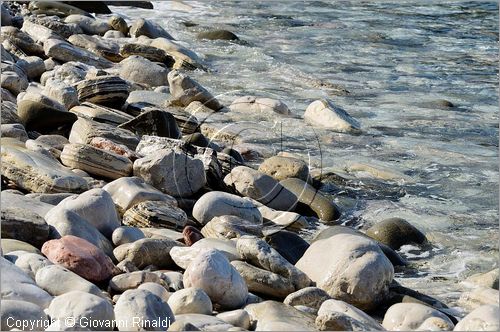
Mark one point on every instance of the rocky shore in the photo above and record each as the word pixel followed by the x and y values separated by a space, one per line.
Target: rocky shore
pixel 127 205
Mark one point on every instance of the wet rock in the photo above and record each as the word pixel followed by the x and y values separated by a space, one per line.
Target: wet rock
pixel 96 161
pixel 212 272
pixel 21 224
pixel 79 256
pixel 276 316
pixel 37 173
pixel 310 197
pixel 410 316
pixel 61 92
pixel 217 35
pixel 84 131
pixel 124 234
pixel 191 235
pixel 132 280
pixel 118 23
pixel 89 25
pixel 324 113
pixel 150 53
pixel 145 252
pixel 13 312
pixel 143 27
pixel 155 214
pixel 6 19
pixel 185 90
pixel 263 188
pixel 354 269
pixel 9 112
pixel 129 191
pixel 43 114
pixel 488 279
pixel 199 322
pixel 64 52
pixel 264 282
pixel 104 90
pixel 289 245
pixel 217 203
pixel 54 8
pixel 89 309
pixel 238 318
pixel 281 168
pixel 17 285
pixel 155 123
pixel 229 227
pixel 334 315
pixel 395 232
pixel 146 305
pixel 190 301
pixel 484 318
pixel 13 82
pixel 15 131
pixel 172 172
pixel 65 222
pixel 255 105
pixel 33 66
pixel 7 96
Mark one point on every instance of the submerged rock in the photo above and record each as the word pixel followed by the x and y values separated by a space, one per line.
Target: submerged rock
pixel 324 113
pixel 395 232
pixel 217 35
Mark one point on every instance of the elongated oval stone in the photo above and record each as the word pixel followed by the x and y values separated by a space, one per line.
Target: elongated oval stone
pixel 155 214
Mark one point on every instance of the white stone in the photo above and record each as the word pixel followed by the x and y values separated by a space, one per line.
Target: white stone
pixel 125 234
pixel 239 318
pixel 409 316
pixel 183 256
pixel 190 301
pixel 484 318
pixel 31 263
pixel 157 290
pixel 15 313
pixel 335 310
pixel 276 316
pixel 252 105
pixel 324 113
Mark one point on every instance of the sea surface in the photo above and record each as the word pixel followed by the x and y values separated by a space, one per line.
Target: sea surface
pixel 420 76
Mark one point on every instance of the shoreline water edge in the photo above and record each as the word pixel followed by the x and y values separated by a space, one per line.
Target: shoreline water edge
pixel 149 183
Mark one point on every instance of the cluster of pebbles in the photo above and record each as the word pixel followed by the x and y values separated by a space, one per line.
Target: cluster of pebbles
pixel 119 201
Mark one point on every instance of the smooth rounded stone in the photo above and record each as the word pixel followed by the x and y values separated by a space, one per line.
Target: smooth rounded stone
pixel 143 27
pixel 13 82
pixel 311 297
pixel 275 221
pixel 79 256
pixel 54 141
pixel 212 272
pixel 483 318
pixel 155 123
pixel 218 203
pixel 129 191
pixel 30 263
pixel 96 161
pixel 105 48
pixel 57 280
pixel 65 222
pixel 65 52
pixel 409 316
pixel 36 172
pixel 353 269
pixel 239 318
pixel 185 90
pixel 488 279
pixel 57 26
pixel 276 316
pixel 478 297
pixel 150 53
pixel 254 105
pixel 191 235
pixel 33 66
pixel 101 114
pixel 84 131
pixel 172 172
pixel 145 252
pixel 139 309
pixel 112 34
pixel 123 282
pixel 89 25
pixel 21 40
pixel 264 282
pixel 260 254
pixel 51 8
pixel 311 198
pixel 124 234
pixel 324 113
pixel 190 301
pixel 186 322
pixel 15 284
pixel 118 23
pixel 218 34
pixel 334 315
pixel 50 64
pixel 44 149
pixel 9 112
pixel 162 233
pixel 10 245
pixel 84 309
pixel 41 113
pixel 97 207
pixel 52 199
pixel 105 90
pixel 197 139
pixel 261 187
pixel 24 225
pixel 395 232
pixel 155 214
pixel 281 168
pixel 15 131
pixel 289 245
pixel 184 58
pixel 21 314
pixel 183 256
pixel 230 227
pixel 157 289
pixel 108 145
pixel 140 70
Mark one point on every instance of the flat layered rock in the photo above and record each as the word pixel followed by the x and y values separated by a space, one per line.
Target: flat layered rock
pixel 154 122
pixel 101 113
pixel 155 214
pixel 104 90
pixel 230 227
pixel 65 52
pixel 84 131
pixel 25 225
pixel 21 40
pixel 39 33
pixel 96 161
pixel 148 52
pixel 105 48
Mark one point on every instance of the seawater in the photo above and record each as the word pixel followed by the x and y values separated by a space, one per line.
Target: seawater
pixel 391 65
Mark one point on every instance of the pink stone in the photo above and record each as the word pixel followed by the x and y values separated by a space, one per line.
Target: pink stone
pixel 79 256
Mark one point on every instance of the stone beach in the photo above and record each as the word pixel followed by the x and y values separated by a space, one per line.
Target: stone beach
pixel 128 192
